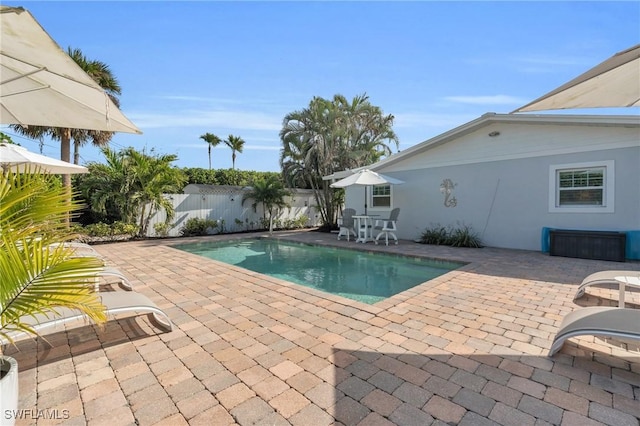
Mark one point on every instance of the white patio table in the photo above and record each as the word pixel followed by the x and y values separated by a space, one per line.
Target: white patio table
pixel 364 227
pixel 625 281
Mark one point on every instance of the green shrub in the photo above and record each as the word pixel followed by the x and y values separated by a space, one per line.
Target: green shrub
pixel 462 236
pixel 102 229
pixel 162 229
pixel 436 235
pixel 122 228
pixel 297 223
pixel 196 226
pixel 99 229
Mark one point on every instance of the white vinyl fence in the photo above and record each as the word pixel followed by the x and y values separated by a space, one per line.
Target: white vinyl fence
pixel 224 205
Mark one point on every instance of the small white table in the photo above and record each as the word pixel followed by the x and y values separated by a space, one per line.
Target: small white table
pixel 364 228
pixel 624 281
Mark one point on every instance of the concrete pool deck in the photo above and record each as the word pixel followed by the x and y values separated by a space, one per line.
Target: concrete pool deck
pixel 466 348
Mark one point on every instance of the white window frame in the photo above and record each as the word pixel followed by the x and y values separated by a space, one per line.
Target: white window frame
pixel 608 187
pixel 371 197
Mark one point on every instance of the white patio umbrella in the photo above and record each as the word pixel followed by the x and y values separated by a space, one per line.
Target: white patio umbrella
pixel 41 85
pixel 366 177
pixel 18 159
pixel 611 84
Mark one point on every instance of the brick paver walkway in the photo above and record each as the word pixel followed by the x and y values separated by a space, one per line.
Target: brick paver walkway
pixel 467 348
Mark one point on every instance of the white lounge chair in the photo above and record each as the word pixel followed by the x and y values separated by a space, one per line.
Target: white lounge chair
pixel 598 321
pixel 607 279
pixel 85 250
pixel 347 226
pixel 387 227
pixel 110 271
pixel 116 302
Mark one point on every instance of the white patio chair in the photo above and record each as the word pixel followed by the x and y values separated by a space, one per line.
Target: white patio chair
pixel 387 227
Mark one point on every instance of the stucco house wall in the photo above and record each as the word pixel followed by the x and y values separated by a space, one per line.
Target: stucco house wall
pixel 503 169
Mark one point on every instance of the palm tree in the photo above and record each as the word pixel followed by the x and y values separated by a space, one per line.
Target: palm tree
pixel 213 141
pixel 132 185
pixel 330 136
pixel 236 143
pixel 270 193
pixel 101 74
pixel 37 276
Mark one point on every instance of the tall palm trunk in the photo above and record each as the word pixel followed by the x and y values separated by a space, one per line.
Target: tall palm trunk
pixel 76 152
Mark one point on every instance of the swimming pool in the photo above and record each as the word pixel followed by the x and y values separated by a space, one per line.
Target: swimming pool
pixel 362 276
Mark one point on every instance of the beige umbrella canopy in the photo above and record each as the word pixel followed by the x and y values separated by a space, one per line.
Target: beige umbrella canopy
pixel 41 85
pixel 366 177
pixel 18 159
pixel 613 83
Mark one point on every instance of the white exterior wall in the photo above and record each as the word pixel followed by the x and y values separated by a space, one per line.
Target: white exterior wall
pixel 229 207
pixel 502 183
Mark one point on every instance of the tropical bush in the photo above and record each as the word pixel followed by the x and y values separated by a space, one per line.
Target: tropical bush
pixel 436 235
pixel 108 231
pixel 162 229
pixel 196 227
pixel 130 187
pixel 465 237
pixel 461 236
pixel 270 193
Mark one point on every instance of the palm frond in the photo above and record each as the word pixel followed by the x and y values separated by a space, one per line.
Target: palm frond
pixel 37 277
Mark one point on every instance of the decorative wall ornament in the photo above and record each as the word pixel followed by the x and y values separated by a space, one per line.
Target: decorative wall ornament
pixel 446 187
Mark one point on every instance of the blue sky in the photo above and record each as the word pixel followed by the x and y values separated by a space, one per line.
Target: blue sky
pixel 187 68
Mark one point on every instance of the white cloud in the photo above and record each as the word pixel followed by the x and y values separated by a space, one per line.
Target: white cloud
pixel 538 64
pixel 421 120
pixel 486 100
pixel 219 119
pixel 203 146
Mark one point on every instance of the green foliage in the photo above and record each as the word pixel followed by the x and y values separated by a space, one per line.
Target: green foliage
pixel 225 176
pixel 197 227
pixel 330 136
pixel 40 275
pixel 462 236
pixel 236 143
pixel 4 138
pixel 298 223
pixel 131 186
pixel 270 193
pixel 162 229
pixel 106 230
pixel 212 141
pixel 99 229
pixel 436 235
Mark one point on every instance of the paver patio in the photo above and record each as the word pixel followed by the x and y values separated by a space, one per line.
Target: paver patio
pixel 466 348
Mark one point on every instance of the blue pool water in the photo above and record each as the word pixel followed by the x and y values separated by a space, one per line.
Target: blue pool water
pixel 366 277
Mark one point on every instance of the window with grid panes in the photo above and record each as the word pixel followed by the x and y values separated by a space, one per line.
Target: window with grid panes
pixel 381 196
pixel 582 187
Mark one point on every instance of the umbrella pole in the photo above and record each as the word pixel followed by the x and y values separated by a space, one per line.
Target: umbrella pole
pixel 365 200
